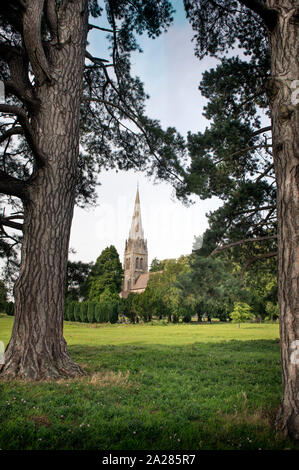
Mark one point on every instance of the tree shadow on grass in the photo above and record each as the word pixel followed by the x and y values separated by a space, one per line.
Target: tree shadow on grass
pixel 222 376
pixel 220 395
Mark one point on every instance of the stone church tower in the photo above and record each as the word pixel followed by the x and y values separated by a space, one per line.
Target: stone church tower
pixel 135 258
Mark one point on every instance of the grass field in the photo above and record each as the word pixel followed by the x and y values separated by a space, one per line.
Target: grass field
pixel 153 387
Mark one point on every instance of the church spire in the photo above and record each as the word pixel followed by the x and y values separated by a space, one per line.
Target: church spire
pixel 136 256
pixel 136 226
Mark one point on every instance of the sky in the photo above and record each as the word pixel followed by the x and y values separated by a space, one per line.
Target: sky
pixel 171 74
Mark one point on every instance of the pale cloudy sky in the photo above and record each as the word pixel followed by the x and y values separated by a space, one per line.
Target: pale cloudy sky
pixel 171 75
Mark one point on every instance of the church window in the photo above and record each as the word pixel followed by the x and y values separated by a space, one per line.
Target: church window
pixel 128 263
pixel 129 285
pixel 141 263
pixel 137 263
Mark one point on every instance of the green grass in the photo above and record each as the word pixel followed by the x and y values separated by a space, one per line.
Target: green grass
pixel 153 387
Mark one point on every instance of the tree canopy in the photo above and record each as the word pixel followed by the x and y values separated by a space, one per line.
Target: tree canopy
pixel 232 159
pixel 114 130
pixel 106 274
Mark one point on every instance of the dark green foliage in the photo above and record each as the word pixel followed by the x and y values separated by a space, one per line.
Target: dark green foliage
pixel 109 93
pixel 107 273
pixel 128 307
pixel 156 265
pixel 232 159
pixel 109 302
pixel 98 313
pixel 143 305
pixel 76 281
pixel 106 310
pixel 221 25
pixel 83 311
pixel 3 296
pixel 91 312
pixel 9 309
pixel 77 312
pixel 211 287
pixel 70 311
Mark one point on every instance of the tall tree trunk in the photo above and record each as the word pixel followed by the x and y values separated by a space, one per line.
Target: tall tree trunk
pixel 285 120
pixel 37 349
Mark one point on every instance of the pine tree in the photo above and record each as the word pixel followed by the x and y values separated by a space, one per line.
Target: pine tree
pixel 270 26
pixel 106 274
pixel 54 88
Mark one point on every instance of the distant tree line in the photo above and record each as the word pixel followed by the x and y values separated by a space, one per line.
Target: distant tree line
pixel 206 288
pixel 179 290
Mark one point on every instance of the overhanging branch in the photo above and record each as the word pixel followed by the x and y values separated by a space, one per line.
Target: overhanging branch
pixel 38 155
pixel 7 222
pixel 95 60
pixel 241 242
pixel 93 26
pixel 268 15
pixel 12 186
pixel 260 131
pixel 10 133
pixel 272 254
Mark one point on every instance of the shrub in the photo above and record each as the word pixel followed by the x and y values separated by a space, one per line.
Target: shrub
pixel 91 312
pixel 77 312
pixel 9 308
pixel 242 312
pixel 83 312
pixel 272 311
pixel 70 311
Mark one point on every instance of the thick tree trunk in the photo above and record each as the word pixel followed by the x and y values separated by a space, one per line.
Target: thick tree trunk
pixel 37 349
pixel 285 119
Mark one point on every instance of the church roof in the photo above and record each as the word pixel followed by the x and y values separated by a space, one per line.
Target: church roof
pixel 136 230
pixel 141 282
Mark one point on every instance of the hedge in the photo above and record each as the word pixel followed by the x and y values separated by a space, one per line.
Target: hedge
pixel 91 312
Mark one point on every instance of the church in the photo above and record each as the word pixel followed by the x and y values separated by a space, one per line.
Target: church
pixel 135 264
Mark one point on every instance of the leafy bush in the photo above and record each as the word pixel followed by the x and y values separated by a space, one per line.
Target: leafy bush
pixel 272 311
pixel 242 312
pixel 91 312
pixel 9 308
pixel 83 312
pixel 77 312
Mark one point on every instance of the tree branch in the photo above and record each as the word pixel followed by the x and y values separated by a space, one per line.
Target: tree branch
pixel 253 260
pixel 268 15
pixel 95 60
pixel 255 210
pixel 260 131
pixel 38 155
pixel 264 173
pixel 33 42
pixel 139 126
pixel 11 132
pixel 51 17
pixel 19 83
pixel 12 186
pixel 10 223
pixel 93 26
pixel 248 149
pixel 241 242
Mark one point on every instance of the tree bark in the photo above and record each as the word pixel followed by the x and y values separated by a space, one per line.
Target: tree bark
pixel 285 119
pixel 37 349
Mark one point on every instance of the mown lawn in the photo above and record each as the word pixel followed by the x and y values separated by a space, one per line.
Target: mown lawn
pixel 153 387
